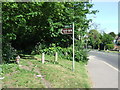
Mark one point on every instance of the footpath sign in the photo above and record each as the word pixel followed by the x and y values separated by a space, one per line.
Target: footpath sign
pixel 66 31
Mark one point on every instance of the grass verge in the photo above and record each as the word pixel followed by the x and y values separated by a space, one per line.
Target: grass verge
pixel 59 75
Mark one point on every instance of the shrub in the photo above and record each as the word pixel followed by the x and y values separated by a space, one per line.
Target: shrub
pixel 67 53
pixel 41 48
pixel 109 46
pixel 51 50
pixel 8 52
pixel 80 54
pixel 38 48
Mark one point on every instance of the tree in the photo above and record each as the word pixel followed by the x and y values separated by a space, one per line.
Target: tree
pixel 94 37
pixel 26 24
pixel 112 34
pixel 107 39
pixel 117 39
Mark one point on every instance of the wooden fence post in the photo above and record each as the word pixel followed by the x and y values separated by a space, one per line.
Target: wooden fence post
pixel 18 59
pixel 43 58
pixel 56 57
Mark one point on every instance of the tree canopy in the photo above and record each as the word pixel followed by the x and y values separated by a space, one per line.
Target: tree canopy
pixel 27 23
pixel 112 34
pixel 94 38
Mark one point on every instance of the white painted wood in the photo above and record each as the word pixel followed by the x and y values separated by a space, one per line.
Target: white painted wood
pixel 73 64
pixel 43 58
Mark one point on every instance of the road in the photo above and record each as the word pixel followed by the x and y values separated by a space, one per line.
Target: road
pixel 111 58
pixel 103 69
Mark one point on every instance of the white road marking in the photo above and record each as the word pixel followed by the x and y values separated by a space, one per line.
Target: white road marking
pixel 91 57
pixel 110 66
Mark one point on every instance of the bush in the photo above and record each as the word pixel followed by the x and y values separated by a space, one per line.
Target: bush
pixel 38 48
pixel 51 50
pixel 67 53
pixel 109 46
pixel 8 52
pixel 41 48
pixel 80 54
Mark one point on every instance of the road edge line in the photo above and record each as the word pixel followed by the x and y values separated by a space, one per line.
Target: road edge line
pixel 110 66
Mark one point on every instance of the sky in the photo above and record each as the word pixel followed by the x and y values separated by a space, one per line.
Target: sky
pixel 107 17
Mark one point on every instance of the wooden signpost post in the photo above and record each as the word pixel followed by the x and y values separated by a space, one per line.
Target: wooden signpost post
pixel 56 57
pixel 70 30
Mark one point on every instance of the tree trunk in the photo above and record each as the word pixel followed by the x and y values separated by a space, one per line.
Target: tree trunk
pixel 98 46
pixel 104 48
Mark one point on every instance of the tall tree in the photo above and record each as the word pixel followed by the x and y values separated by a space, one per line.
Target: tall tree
pixel 94 37
pixel 26 24
pixel 112 34
pixel 107 39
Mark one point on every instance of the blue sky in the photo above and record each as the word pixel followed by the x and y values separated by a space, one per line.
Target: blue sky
pixel 107 16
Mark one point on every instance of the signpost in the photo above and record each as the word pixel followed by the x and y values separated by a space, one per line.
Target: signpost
pixel 70 30
pixel 73 50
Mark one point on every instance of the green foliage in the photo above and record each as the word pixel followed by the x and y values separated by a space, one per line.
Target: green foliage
pixel 81 54
pixel 17 77
pixel 94 38
pixel 8 52
pixel 25 76
pixel 41 48
pixel 107 39
pixel 99 41
pixel 112 34
pixel 62 72
pixel 109 46
pixel 38 48
pixel 67 53
pixel 49 18
pixel 0 12
pixel 51 50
